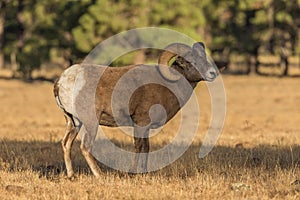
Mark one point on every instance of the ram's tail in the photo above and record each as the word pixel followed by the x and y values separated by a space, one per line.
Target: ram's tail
pixel 56 93
pixel 55 88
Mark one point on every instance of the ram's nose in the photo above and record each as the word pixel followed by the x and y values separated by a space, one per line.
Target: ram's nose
pixel 211 74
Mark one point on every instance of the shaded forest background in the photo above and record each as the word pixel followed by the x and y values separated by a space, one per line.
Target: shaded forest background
pixel 247 33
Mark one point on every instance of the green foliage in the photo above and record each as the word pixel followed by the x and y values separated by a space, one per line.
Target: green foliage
pixel 74 28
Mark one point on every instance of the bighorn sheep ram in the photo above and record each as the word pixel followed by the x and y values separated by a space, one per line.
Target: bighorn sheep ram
pixel 190 64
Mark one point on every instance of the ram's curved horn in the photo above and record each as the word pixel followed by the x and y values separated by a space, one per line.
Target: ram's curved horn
pixel 170 52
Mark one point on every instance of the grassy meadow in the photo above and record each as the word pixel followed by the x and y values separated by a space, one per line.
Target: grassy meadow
pixel 257 155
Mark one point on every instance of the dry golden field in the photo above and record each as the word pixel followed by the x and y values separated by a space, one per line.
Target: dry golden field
pixel 256 157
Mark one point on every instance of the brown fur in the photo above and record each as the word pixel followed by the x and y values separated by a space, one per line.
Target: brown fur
pixel 139 105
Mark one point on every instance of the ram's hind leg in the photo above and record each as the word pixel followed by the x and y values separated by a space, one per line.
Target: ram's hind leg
pixel 86 145
pixel 67 143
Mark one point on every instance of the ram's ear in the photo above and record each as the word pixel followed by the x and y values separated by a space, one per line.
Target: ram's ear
pixel 199 47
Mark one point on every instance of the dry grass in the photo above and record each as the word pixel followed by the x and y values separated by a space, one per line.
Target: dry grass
pixel 257 155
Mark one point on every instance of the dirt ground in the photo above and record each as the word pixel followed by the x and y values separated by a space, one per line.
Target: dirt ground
pixel 256 157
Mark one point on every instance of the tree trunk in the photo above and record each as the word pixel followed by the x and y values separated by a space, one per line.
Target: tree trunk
pixel 249 66
pixel 285 66
pixel 256 64
pixel 284 62
pixel 2 19
pixel 20 40
pixel 256 60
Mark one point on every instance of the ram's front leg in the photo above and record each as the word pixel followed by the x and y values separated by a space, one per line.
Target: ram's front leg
pixel 141 143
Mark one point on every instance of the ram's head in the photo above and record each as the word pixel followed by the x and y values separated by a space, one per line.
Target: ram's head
pixel 191 62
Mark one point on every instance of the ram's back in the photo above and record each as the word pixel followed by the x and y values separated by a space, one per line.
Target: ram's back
pixel 125 88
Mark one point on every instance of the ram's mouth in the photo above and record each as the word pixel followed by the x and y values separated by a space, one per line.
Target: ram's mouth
pixel 210 79
pixel 211 75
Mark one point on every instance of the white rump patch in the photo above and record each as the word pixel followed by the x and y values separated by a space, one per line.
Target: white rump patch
pixel 66 86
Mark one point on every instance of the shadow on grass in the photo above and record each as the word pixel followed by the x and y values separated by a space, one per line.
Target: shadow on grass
pixel 46 158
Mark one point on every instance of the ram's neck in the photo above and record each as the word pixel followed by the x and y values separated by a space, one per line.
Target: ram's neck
pixel 180 68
